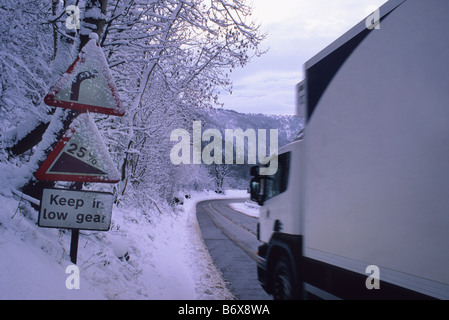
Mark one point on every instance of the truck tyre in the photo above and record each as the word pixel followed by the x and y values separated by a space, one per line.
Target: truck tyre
pixel 283 281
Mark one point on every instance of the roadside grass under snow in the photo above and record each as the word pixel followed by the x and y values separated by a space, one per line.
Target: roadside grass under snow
pixel 149 253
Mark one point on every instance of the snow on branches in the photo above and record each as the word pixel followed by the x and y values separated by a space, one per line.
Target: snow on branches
pixel 167 58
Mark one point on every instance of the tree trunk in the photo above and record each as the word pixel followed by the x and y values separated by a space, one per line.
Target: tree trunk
pixel 91 18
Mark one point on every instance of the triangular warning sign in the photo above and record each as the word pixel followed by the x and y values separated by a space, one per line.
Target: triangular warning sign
pixel 80 156
pixel 87 85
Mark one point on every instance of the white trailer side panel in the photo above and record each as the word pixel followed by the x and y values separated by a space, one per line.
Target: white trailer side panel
pixel 377 151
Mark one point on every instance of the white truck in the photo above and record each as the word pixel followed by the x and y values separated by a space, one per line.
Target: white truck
pixel 359 206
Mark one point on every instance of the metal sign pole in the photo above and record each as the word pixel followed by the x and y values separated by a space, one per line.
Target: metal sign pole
pixel 75 232
pixel 74 245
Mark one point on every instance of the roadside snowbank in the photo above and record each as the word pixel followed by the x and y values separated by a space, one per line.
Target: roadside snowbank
pixel 248 207
pixel 149 253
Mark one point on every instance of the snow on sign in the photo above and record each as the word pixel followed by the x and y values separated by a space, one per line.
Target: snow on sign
pixel 71 209
pixel 80 156
pixel 87 85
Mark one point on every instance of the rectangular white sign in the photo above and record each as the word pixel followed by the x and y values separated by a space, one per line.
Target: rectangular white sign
pixel 71 209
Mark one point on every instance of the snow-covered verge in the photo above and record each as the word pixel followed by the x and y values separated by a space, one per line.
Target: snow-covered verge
pixel 248 207
pixel 153 252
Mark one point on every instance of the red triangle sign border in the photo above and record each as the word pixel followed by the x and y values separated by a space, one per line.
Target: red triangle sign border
pixel 44 173
pixel 51 100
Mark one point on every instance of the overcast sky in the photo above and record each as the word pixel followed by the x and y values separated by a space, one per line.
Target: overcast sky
pixel 297 30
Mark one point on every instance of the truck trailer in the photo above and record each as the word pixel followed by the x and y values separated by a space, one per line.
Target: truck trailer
pixel 359 205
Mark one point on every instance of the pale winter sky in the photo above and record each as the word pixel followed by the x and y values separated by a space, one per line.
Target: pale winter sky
pixel 297 30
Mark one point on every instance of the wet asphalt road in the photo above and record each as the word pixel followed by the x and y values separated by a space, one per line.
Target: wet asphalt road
pixel 230 237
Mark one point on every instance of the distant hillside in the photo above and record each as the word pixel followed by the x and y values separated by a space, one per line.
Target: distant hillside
pixel 237 176
pixel 222 119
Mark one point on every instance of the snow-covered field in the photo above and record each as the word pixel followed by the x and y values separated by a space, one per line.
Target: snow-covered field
pixel 149 253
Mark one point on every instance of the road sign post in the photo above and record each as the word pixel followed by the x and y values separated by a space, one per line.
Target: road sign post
pixel 74 245
pixel 81 155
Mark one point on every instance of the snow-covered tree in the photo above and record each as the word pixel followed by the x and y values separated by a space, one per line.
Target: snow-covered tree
pixel 167 57
pixel 182 51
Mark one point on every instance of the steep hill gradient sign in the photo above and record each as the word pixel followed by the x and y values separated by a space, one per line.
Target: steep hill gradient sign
pixel 87 85
pixel 80 156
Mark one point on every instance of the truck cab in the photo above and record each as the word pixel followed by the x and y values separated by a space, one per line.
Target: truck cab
pixel 279 226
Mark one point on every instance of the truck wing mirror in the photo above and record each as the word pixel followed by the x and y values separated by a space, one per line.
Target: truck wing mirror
pixel 257 188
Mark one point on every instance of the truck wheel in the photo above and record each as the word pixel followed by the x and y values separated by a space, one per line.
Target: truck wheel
pixel 283 283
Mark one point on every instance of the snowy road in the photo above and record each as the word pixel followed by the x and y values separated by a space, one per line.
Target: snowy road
pixel 230 237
